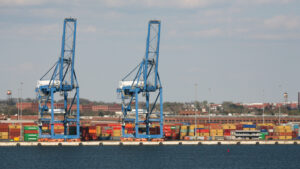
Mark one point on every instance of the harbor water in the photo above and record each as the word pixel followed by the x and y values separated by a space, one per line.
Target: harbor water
pixel 152 157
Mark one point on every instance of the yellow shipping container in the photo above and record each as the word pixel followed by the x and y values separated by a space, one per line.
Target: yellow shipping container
pixel 200 126
pixel 246 129
pixel 58 127
pixel 182 134
pixel 14 126
pixel 288 127
pixel 44 128
pixel 4 137
pixel 203 134
pixel 98 130
pixel 249 123
pixel 3 133
pixel 184 127
pixel 281 137
pixel 288 137
pixel 191 134
pixel 288 130
pixel 105 135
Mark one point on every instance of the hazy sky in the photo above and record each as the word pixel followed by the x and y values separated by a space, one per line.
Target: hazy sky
pixel 235 48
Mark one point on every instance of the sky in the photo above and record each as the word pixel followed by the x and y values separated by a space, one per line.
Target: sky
pixel 234 50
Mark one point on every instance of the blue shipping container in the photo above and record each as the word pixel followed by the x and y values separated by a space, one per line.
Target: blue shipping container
pixel 264 130
pixel 249 126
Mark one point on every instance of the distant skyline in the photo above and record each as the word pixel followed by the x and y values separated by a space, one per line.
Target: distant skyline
pixel 235 48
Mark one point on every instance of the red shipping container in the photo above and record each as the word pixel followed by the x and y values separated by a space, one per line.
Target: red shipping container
pixel 204 130
pixel 31 131
pixel 167 134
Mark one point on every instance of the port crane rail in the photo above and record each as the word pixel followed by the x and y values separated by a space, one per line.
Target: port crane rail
pixel 145 81
pixel 63 80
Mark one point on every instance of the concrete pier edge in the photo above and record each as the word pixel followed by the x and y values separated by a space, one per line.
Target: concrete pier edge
pixel 149 143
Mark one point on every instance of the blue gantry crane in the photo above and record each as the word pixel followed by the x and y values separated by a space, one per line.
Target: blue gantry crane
pixel 144 81
pixel 62 81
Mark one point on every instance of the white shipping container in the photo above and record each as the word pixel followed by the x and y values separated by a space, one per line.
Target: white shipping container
pixel 46 83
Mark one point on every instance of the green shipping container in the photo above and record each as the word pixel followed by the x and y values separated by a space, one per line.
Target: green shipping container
pixel 263 136
pixel 31 127
pixel 31 135
pixel 30 139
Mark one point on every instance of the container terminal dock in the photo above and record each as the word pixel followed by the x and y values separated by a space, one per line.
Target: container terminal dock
pixel 142 120
pixel 101 133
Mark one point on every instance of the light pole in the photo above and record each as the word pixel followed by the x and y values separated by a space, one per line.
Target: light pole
pixel 209 89
pixel 280 89
pixel 21 127
pixel 195 129
pixel 21 100
pixel 263 115
pixel 18 103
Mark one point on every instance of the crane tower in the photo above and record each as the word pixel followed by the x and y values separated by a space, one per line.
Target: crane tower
pixel 60 79
pixel 141 90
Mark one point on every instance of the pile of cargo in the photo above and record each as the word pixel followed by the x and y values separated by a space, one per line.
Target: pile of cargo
pixel 31 133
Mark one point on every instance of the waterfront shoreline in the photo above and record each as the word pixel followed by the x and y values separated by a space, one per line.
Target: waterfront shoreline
pixel 150 143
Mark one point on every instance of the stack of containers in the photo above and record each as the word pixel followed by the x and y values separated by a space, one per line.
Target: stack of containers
pixel 263 132
pixel 4 131
pixel 216 132
pixel 154 129
pixel 46 128
pixel 167 131
pixel 239 126
pixel 72 130
pixel 59 128
pixel 228 130
pixel 14 132
pixel 84 133
pixel 183 131
pixel 88 133
pixel 284 132
pixel 31 133
pixel 92 133
pixel 199 128
pixel 117 131
pixel 175 132
pixel 295 131
pixel 249 127
pixel 203 134
pixel 106 132
pixel 129 128
pixel 98 130
pixel 191 130
pixel 288 133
